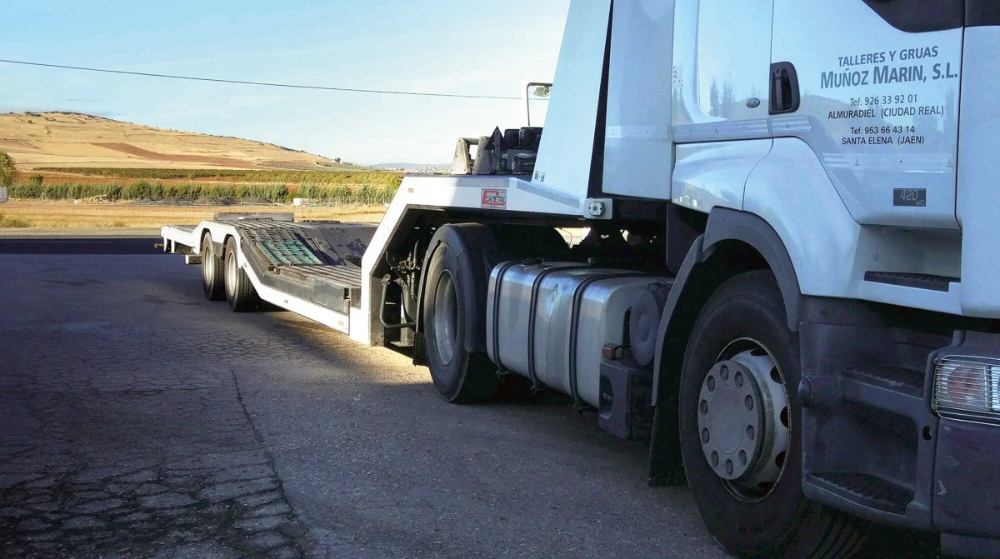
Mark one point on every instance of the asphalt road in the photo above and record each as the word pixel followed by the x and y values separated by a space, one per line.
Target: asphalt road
pixel 138 419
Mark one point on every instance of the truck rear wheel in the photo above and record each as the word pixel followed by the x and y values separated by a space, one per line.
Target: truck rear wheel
pixel 212 274
pixel 239 291
pixel 454 314
pixel 738 429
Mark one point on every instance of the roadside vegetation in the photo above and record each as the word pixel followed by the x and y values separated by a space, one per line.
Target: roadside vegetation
pixel 12 222
pixel 8 170
pixel 147 198
pixel 145 190
pixel 322 187
pixel 350 178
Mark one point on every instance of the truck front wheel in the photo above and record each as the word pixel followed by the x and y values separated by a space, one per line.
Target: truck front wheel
pixel 454 313
pixel 739 430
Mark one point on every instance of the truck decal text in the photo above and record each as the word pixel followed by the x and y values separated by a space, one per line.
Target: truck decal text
pixel 494 198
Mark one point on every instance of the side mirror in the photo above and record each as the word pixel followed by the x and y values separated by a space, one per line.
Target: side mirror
pixel 536 96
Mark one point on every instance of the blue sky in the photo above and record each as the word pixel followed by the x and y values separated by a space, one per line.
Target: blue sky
pixel 430 45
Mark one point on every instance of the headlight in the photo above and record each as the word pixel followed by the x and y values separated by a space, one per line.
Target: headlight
pixel 968 386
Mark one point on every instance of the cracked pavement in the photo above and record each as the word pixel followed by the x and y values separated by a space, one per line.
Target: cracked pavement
pixel 139 420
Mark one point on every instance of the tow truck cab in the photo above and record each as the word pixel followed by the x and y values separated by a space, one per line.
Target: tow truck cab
pixel 851 145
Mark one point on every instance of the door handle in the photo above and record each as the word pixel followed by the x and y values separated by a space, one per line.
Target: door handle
pixel 784 88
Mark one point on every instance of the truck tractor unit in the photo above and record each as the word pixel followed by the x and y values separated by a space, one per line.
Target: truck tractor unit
pixel 785 274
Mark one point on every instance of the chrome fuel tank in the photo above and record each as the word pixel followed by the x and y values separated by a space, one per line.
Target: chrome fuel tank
pixel 549 321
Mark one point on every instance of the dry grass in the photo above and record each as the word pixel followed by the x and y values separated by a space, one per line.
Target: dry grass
pixel 74 140
pixel 77 216
pixel 12 222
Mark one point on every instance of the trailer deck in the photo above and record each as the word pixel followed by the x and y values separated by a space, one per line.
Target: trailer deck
pixel 313 268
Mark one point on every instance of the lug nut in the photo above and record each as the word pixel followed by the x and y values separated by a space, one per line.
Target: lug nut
pixel 724 372
pixel 715 458
pixel 705 436
pixel 739 379
pixel 729 467
pixel 743 457
pixel 704 407
pixel 711 383
pixel 749 402
pixel 751 434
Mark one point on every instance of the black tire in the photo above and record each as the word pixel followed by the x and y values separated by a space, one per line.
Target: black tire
pixel 454 314
pixel 779 521
pixel 240 294
pixel 212 274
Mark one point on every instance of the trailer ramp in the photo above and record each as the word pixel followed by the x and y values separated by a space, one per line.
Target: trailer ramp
pixel 319 263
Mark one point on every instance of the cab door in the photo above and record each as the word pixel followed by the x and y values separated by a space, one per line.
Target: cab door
pixel 722 55
pixel 878 88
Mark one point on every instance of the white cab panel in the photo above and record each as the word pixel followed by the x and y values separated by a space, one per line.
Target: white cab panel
pixel 979 172
pixel 567 148
pixel 829 250
pixel 722 59
pixel 638 154
pixel 879 107
pixel 714 173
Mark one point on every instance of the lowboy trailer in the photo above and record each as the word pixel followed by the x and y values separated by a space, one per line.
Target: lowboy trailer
pixel 789 281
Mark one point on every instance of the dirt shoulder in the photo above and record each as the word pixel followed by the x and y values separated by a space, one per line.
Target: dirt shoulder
pixel 66 218
pixel 76 233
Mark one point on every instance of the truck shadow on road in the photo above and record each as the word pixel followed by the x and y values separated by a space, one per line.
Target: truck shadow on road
pixel 547 416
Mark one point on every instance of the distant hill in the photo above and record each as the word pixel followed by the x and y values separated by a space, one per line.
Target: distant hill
pixel 75 140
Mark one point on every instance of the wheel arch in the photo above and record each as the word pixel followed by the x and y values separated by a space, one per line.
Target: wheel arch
pixel 225 242
pixel 498 241
pixel 734 242
pixel 202 233
pixel 470 236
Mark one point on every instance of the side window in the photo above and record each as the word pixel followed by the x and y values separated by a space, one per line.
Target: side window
pixel 722 55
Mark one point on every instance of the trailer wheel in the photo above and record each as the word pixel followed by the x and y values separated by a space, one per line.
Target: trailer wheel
pixel 455 314
pixel 212 274
pixel 739 430
pixel 239 291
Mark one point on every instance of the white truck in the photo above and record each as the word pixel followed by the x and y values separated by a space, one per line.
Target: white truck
pixel 791 280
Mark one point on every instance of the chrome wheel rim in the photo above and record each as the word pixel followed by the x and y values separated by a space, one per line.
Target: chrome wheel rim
pixel 743 419
pixel 445 318
pixel 231 271
pixel 207 271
